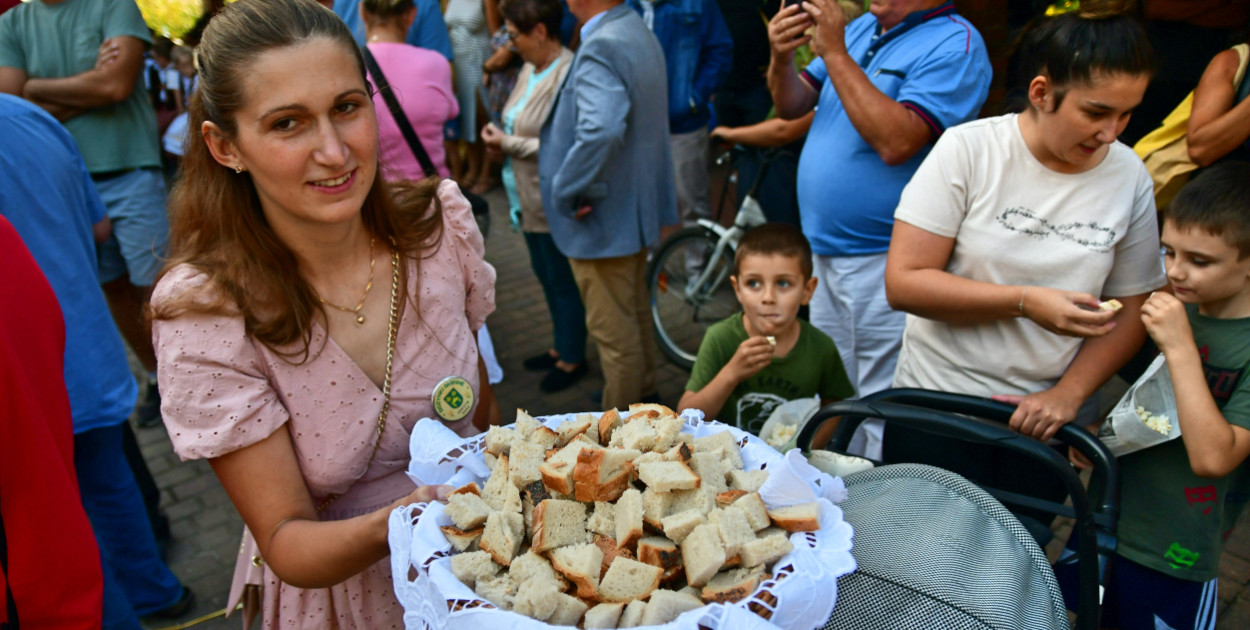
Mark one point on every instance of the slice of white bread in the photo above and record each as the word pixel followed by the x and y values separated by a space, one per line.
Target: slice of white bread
pixel 489 460
pixel 752 505
pixel 749 480
pixel 499 440
pixel 726 498
pixel 581 565
pixel 473 566
pixel 735 529
pixel 765 551
pixel 603 616
pixel 725 440
pixel 498 590
pixel 804 517
pixel 692 500
pixel 536 599
pixel 732 586
pixel 570 429
pixel 659 551
pixel 558 523
pixel 644 409
pixel 690 590
pixel 495 492
pixel 569 611
pixel 531 566
pixel 710 467
pixel 680 452
pixel 609 422
pixel 545 437
pixel 523 463
pixel 602 474
pixel 1110 305
pixel 667 476
pixel 525 424
pixel 665 606
pixel 655 506
pixel 467 511
pixel 627 580
pixel 460 539
pixel 635 435
pixel 628 517
pixel 603 520
pixel 677 526
pixel 502 537
pixel 703 554
pixel 666 431
pixel 611 551
pixel 632 617
pixel 772 531
pixel 645 458
pixel 557 471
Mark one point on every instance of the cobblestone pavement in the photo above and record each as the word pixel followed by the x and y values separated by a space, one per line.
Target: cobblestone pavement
pixel 206 528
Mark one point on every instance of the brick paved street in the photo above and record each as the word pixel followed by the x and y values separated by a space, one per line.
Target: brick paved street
pixel 206 527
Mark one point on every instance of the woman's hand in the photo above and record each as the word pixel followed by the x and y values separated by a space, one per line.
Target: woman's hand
pixel 1041 415
pixel 423 494
pixel 1060 312
pixel 1166 322
pixel 492 136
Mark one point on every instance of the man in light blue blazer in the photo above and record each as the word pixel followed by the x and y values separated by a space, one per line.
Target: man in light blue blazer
pixel 606 173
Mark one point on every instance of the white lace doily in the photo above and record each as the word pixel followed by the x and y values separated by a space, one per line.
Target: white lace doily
pixel 800 594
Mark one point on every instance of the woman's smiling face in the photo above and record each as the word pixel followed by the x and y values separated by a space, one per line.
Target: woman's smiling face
pixel 307 137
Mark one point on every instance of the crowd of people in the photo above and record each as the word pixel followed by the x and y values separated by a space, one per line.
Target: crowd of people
pixel 301 275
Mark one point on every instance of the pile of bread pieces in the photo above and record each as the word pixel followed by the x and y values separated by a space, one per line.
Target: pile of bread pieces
pixel 615 523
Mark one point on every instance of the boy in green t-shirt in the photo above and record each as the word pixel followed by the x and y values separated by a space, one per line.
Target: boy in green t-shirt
pixel 753 361
pixel 1180 499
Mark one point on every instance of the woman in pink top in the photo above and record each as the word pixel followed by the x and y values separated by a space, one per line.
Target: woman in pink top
pixel 301 289
pixel 421 81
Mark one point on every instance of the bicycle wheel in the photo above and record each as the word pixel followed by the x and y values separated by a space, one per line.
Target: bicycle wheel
pixel 690 291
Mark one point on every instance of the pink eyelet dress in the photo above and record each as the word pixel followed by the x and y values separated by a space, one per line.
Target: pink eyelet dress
pixel 223 390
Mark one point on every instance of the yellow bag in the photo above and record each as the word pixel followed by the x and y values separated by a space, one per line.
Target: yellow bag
pixel 1166 151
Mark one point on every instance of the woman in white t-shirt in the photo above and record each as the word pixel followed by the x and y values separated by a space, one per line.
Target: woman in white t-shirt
pixel 1015 228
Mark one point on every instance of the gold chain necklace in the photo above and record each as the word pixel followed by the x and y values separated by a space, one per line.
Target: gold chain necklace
pixel 391 332
pixel 360 319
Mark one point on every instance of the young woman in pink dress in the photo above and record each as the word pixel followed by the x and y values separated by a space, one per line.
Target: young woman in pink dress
pixel 310 313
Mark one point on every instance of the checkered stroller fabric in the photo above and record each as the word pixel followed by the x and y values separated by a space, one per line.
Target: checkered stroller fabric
pixel 935 551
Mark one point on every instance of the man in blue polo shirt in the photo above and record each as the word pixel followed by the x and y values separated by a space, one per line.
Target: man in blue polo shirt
pixel 884 88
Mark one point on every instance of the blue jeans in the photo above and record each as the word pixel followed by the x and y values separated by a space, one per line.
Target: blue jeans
pixel 115 509
pixel 568 315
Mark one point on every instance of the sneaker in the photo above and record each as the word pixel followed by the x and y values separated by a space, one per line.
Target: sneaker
pixel 174 610
pixel 148 413
pixel 559 380
pixel 540 363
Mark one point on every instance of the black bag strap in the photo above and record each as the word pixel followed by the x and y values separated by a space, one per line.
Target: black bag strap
pixel 397 112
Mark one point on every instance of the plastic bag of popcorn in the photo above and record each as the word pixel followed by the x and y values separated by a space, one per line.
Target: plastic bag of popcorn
pixel 1145 416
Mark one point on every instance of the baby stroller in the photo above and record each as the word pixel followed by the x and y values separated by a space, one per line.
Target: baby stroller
pixel 936 551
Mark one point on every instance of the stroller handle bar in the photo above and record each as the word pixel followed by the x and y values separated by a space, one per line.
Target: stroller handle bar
pixel 987 426
pixel 969 429
pixel 1105 482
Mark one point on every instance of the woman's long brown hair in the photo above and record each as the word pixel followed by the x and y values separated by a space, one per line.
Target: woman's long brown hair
pixel 216 222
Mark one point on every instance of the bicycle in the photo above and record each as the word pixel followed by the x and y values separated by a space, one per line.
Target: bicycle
pixel 688 278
